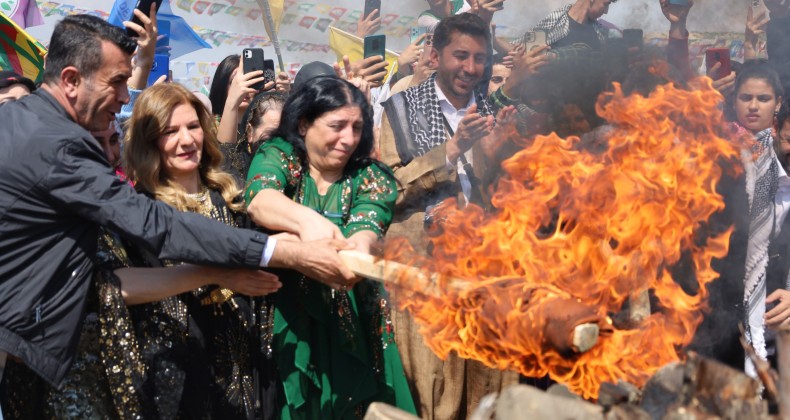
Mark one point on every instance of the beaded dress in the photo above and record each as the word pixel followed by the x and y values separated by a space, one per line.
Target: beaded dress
pixel 200 354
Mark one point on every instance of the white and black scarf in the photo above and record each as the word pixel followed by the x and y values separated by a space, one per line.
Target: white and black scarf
pixel 762 171
pixel 416 118
pixel 557 26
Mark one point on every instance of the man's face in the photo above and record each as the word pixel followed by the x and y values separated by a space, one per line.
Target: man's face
pixel 782 144
pixel 109 140
pixel 13 92
pixel 460 67
pixel 597 9
pixel 499 75
pixel 101 95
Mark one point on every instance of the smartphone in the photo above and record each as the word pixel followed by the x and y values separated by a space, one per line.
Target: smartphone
pixel 416 32
pixel 679 2
pixel 252 60
pixel 534 39
pixel 427 44
pixel 269 74
pixel 370 6
pixel 374 45
pixel 145 7
pixel 718 55
pixel 161 67
pixel 633 38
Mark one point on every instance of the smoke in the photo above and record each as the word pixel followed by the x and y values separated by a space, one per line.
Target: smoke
pixel 705 16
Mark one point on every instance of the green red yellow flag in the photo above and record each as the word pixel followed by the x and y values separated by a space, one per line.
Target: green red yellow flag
pixel 19 51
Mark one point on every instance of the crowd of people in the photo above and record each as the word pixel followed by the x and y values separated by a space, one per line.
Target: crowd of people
pixel 167 254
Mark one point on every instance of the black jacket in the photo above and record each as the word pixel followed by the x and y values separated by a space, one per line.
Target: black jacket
pixel 56 189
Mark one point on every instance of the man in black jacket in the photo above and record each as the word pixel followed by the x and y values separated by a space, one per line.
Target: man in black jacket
pixel 57 189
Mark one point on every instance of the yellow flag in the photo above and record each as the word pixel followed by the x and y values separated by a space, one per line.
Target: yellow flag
pixel 276 8
pixel 344 43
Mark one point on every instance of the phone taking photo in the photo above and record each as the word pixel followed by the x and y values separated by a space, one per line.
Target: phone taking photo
pixel 252 60
pixel 634 38
pixel 374 45
pixel 534 39
pixel 161 67
pixel 370 6
pixel 718 55
pixel 269 74
pixel 416 32
pixel 145 7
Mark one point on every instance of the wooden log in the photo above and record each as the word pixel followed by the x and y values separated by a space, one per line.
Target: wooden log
pixel 585 336
pixel 763 368
pixel 638 308
pixel 382 411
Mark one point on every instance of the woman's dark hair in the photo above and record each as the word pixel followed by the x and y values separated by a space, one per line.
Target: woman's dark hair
pixel 260 104
pixel 219 84
pixel 316 97
pixel 754 69
pixel 783 115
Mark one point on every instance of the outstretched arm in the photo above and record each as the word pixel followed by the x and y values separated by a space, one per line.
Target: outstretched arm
pixel 142 285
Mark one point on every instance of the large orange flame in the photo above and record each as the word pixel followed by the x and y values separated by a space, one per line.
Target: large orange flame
pixel 595 226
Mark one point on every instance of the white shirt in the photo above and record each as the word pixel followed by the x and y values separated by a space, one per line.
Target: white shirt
pixel 454 117
pixel 782 199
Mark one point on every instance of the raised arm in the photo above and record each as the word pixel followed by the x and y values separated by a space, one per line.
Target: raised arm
pixel 146 47
pixel 678 48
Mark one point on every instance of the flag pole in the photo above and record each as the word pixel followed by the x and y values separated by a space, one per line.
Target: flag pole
pixel 271 30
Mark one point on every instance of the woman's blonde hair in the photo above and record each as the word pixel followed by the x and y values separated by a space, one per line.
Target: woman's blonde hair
pixel 142 159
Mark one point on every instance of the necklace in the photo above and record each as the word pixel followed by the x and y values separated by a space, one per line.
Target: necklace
pixel 201 196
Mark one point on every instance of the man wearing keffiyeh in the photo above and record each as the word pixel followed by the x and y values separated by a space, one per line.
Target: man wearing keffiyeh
pixel 432 136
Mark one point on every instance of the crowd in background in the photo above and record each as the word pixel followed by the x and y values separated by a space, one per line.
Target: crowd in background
pixel 167 254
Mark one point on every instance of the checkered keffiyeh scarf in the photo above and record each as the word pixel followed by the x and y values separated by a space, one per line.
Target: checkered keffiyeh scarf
pixel 557 26
pixel 416 118
pixel 762 171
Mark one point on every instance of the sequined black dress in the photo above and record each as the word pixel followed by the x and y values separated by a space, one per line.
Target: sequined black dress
pixel 202 354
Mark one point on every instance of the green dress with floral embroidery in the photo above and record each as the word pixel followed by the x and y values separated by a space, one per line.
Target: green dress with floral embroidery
pixel 335 351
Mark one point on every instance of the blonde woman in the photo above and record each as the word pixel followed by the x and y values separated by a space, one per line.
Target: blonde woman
pixel 201 349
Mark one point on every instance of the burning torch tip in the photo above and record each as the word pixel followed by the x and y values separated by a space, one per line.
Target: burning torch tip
pixel 584 337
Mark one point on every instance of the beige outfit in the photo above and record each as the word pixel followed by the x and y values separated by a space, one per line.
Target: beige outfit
pixel 452 388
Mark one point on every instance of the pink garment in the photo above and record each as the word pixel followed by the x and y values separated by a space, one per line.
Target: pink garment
pixel 26 14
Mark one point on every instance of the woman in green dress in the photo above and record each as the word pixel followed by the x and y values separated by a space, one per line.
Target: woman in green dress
pixel 315 179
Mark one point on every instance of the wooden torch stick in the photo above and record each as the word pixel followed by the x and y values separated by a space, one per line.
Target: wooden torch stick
pixel 584 335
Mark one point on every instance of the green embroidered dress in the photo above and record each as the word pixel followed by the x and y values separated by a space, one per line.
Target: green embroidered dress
pixel 334 350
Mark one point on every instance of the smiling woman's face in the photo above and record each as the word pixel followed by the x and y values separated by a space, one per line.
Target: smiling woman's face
pixel 755 105
pixel 181 144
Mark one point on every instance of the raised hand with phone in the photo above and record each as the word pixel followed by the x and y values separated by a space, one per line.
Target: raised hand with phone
pixel 242 88
pixel 347 73
pixel 409 56
pixel 146 32
pixel 369 22
pixel 526 64
pixel 676 12
pixel 756 21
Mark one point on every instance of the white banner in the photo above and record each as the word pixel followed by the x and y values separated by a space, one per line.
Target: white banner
pixel 231 25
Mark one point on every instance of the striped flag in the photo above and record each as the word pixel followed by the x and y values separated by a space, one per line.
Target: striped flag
pixel 19 51
pixel 24 12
